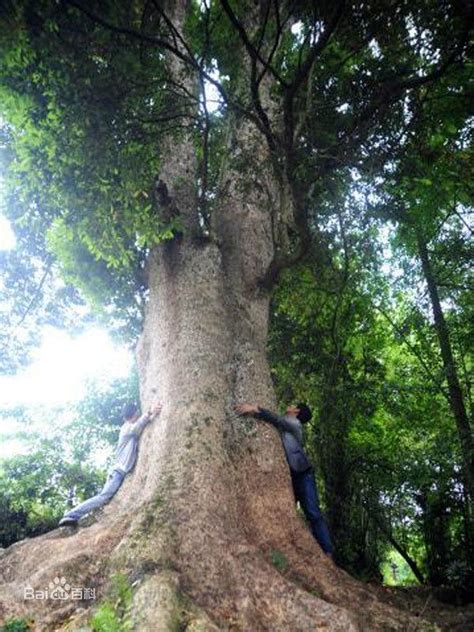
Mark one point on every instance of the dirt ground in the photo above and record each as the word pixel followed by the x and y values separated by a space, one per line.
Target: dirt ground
pixel 423 602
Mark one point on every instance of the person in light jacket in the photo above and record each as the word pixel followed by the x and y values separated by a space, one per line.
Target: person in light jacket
pixel 126 456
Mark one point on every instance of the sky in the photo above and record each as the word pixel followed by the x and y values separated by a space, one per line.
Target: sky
pixel 63 364
pixel 7 237
pixel 58 375
pixel 60 369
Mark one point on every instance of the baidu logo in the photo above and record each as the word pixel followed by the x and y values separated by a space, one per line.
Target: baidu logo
pixel 60 590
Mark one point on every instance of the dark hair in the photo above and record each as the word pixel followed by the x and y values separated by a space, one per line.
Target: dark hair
pixel 129 410
pixel 305 413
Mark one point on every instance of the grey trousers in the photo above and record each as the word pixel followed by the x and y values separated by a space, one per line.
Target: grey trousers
pixel 112 484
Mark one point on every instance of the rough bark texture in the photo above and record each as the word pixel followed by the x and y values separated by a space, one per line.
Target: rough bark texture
pixel 209 504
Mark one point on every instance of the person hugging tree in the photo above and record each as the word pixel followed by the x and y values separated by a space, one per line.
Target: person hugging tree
pixel 290 429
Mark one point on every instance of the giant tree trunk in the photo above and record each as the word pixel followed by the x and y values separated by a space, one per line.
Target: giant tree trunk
pixel 205 528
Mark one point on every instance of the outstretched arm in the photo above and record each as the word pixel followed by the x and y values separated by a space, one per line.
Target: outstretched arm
pixel 263 413
pixel 140 424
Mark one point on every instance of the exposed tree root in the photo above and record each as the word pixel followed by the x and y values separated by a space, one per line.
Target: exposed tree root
pixel 261 585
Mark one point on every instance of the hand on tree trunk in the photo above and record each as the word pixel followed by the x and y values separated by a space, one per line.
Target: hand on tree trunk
pixel 246 408
pixel 155 410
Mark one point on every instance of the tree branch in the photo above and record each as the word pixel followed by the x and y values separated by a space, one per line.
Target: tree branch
pixel 388 533
pixel 413 350
pixel 285 260
pixel 314 52
pixel 253 53
pixel 163 43
pixel 36 294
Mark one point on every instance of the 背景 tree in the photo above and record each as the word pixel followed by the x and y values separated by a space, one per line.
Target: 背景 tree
pixel 119 165
pixel 430 199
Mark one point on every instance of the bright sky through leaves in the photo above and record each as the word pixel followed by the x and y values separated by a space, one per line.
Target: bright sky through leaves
pixel 7 238
pixel 211 93
pixel 61 367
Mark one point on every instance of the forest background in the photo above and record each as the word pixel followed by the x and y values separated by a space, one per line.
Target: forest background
pixel 372 327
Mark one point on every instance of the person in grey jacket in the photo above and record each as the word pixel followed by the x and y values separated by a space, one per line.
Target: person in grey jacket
pixel 290 429
pixel 126 456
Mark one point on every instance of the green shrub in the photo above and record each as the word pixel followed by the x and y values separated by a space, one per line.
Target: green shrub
pixel 113 614
pixel 106 619
pixel 279 561
pixel 15 625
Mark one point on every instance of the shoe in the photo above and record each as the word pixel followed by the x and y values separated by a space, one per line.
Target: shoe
pixel 67 522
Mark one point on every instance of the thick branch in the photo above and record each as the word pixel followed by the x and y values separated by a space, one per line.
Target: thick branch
pixel 255 58
pixel 413 350
pixel 163 43
pixel 254 54
pixel 456 399
pixel 390 91
pixel 286 260
pixel 304 71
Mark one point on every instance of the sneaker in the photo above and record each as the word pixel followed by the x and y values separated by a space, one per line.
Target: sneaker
pixel 67 522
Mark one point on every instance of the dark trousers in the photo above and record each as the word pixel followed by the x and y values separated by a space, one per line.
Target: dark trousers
pixel 306 493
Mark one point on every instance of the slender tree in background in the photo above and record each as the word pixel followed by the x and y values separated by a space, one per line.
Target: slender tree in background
pixel 146 197
pixel 389 394
pixel 430 200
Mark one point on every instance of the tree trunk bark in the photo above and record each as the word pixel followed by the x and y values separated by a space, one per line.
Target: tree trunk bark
pixel 205 528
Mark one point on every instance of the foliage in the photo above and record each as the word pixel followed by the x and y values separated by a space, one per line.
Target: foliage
pixel 62 163
pixel 35 488
pixel 396 571
pixel 326 347
pixel 359 346
pixel 83 138
pixel 16 625
pixel 113 614
pixel 373 140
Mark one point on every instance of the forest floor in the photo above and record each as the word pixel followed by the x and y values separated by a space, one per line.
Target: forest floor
pixel 423 603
